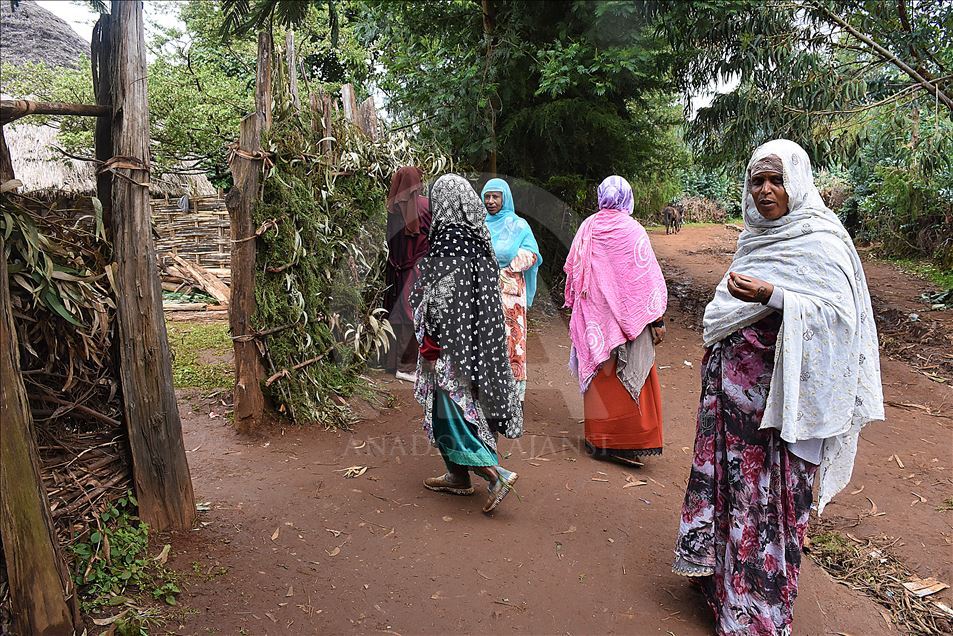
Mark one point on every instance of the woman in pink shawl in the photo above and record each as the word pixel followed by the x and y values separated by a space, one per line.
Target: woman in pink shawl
pixel 617 294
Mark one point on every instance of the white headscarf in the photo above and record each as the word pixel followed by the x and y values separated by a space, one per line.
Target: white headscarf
pixel 826 383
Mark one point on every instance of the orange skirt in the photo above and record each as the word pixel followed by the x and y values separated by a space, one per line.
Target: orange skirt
pixel 615 424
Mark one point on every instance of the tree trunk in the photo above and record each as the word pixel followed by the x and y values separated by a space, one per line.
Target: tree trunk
pixel 489 35
pixel 160 468
pixel 35 571
pixel 102 63
pixel 6 163
pixel 241 201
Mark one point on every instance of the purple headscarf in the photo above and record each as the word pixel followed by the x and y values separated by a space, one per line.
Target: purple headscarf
pixel 615 193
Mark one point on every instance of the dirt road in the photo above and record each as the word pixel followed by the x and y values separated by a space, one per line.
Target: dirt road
pixel 289 546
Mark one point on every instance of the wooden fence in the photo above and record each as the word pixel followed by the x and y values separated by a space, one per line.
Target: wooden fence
pixel 200 235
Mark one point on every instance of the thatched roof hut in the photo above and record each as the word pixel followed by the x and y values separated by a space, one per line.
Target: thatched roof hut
pixel 45 172
pixel 33 34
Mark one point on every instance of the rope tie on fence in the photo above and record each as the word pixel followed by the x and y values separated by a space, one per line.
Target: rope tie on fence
pixel 126 163
pixel 258 155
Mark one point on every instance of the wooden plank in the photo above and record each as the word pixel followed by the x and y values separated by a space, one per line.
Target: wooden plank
pixel 160 468
pixel 184 307
pixel 241 200
pixel 208 281
pixel 35 570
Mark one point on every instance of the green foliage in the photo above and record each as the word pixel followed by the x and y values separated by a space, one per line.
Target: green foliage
pixel 557 88
pixel 200 355
pixel 940 277
pixel 800 73
pixel 111 566
pixel 714 184
pixel 320 258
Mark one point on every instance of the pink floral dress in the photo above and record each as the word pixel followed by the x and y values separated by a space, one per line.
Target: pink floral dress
pixel 749 498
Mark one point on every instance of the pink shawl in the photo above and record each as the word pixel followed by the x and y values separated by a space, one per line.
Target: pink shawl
pixel 614 286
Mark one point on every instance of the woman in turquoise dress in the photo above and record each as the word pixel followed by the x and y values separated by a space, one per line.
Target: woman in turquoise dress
pixel 464 379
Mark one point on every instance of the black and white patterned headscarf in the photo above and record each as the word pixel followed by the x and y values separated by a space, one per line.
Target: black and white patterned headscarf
pixel 457 300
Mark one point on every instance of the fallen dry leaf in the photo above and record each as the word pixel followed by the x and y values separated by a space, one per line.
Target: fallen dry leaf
pixel 858 491
pixel 291 591
pixel 102 622
pixel 921 497
pixel 275 535
pixel 899 463
pixel 362 445
pixel 599 479
pixel 334 552
pixel 447 518
pixel 569 531
pixel 635 483
pixel 163 556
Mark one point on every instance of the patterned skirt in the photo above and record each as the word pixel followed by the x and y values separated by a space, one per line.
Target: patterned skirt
pixel 749 498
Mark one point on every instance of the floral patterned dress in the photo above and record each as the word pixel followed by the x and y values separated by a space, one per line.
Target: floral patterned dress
pixel 513 294
pixel 749 498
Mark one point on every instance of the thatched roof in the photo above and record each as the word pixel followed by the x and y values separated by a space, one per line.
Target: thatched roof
pixel 33 34
pixel 44 171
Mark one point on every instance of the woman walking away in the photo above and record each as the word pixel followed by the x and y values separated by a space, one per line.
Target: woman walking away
pixel 464 380
pixel 616 291
pixel 519 259
pixel 408 224
pixel 791 374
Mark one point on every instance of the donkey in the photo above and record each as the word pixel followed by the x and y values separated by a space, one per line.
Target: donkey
pixel 673 218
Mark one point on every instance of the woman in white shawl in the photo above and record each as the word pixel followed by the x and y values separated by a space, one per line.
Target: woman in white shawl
pixel 791 374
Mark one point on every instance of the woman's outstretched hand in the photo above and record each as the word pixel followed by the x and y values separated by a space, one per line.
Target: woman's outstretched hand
pixel 749 288
pixel 658 335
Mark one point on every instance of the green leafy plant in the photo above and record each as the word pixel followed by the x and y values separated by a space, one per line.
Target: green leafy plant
pixel 111 566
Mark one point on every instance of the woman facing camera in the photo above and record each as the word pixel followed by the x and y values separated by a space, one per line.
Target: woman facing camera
pixel 790 375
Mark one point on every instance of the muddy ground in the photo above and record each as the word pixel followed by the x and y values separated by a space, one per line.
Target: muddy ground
pixel 289 546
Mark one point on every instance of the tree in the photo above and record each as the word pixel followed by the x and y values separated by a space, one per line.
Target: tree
pixel 562 89
pixel 806 69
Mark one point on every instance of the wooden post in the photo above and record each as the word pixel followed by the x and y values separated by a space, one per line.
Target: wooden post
pixel 160 468
pixel 241 200
pixel 292 69
pixel 349 101
pixel 36 573
pixel 367 119
pixel 102 67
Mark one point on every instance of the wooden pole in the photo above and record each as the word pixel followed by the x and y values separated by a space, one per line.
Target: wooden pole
pixel 36 573
pixel 246 167
pixel 12 109
pixel 292 69
pixel 160 468
pixel 102 67
pixel 349 101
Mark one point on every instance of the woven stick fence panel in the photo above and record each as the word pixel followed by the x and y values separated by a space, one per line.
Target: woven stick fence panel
pixel 200 235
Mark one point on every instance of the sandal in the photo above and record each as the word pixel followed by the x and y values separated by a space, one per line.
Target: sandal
pixel 446 484
pixel 502 488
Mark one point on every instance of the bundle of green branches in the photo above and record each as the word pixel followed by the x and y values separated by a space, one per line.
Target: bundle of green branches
pixel 63 309
pixel 320 261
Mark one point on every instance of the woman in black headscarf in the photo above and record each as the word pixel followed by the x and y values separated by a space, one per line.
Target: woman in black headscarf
pixel 464 379
pixel 408 224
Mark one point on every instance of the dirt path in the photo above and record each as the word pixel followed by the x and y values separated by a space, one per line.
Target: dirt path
pixel 290 546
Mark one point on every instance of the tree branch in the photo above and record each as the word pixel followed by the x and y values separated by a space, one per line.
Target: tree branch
pixel 941 95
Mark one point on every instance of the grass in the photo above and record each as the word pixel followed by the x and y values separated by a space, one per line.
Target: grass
pixel 189 341
pixel 926 270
